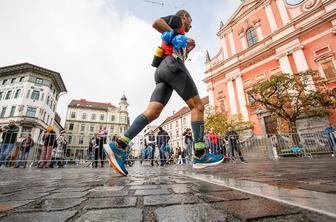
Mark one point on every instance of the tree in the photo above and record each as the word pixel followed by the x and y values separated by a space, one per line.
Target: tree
pixel 291 97
pixel 220 122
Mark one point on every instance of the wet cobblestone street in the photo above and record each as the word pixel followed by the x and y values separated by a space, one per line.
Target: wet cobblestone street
pixel 147 194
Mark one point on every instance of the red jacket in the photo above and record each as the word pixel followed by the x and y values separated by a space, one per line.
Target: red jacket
pixel 213 138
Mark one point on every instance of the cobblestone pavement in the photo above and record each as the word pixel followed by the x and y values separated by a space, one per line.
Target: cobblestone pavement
pixel 317 174
pixel 147 194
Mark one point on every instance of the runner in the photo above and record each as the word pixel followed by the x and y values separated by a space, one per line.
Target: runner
pixel 170 75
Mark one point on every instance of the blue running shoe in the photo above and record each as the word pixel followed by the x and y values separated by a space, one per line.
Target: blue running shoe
pixel 208 159
pixel 116 157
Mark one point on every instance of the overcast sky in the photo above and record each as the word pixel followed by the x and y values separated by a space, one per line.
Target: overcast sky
pixel 104 48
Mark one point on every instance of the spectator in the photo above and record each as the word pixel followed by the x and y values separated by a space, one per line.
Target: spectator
pixel 222 147
pixel 150 141
pixel 179 155
pixel 77 159
pixel 188 142
pixel 9 135
pixel 162 140
pixel 330 132
pixel 233 138
pixel 13 157
pixel 184 155
pixel 92 145
pixel 59 150
pixel 49 142
pixel 100 141
pixel 26 144
pixel 213 140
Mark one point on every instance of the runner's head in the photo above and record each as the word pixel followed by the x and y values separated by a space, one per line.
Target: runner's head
pixel 186 19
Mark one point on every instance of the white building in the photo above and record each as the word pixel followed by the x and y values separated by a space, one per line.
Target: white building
pixel 84 118
pixel 29 95
pixel 176 124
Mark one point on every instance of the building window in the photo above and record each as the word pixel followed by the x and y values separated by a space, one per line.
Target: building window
pixel 38 81
pixel 9 94
pixel 247 82
pixel 177 133
pixel 1 93
pixel 113 118
pixel 48 98
pixel 91 129
pixel 294 2
pixel 44 115
pixel 25 131
pixel 81 140
pixel 176 123
pixel 84 116
pixel 35 95
pixel 48 119
pixel 93 116
pixel 71 126
pixel 73 115
pixel 184 120
pixel 3 112
pixel 112 129
pixel 42 97
pixel 69 140
pixel 31 111
pixel 12 111
pixel 260 77
pixel 21 79
pixel 17 93
pixel 251 37
pixel 170 125
pixel 82 127
pixel 4 81
pixel 13 80
pixel 329 69
pixel 102 117
pixel 28 93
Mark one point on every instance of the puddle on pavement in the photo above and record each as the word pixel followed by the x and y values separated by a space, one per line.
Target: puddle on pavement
pixel 324 203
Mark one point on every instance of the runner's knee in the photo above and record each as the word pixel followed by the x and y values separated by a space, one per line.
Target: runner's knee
pixel 198 108
pixel 152 114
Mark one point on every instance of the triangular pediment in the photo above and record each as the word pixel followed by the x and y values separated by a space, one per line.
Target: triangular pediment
pixel 245 6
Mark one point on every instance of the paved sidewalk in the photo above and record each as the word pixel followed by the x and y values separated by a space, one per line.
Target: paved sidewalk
pixel 147 194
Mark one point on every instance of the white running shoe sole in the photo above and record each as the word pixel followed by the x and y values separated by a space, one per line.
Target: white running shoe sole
pixel 112 160
pixel 198 166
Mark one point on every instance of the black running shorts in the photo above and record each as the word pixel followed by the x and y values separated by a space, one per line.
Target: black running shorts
pixel 173 75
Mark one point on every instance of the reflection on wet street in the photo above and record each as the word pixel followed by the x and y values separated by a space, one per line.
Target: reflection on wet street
pixel 316 201
pixel 305 183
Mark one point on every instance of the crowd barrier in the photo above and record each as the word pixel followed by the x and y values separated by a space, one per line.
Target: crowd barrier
pixel 87 150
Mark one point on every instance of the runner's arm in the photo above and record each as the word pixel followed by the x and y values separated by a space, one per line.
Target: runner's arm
pixel 161 26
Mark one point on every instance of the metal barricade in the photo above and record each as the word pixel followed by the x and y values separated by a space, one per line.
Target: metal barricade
pixel 52 150
pixel 279 145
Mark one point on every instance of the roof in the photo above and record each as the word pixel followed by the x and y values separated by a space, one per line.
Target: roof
pixel 83 103
pixel 244 8
pixel 184 110
pixel 27 67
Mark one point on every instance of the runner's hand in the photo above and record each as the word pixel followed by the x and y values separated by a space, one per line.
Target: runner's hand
pixel 180 41
pixel 190 45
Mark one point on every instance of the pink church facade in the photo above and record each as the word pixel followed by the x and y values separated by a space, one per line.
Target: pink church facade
pixel 266 37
